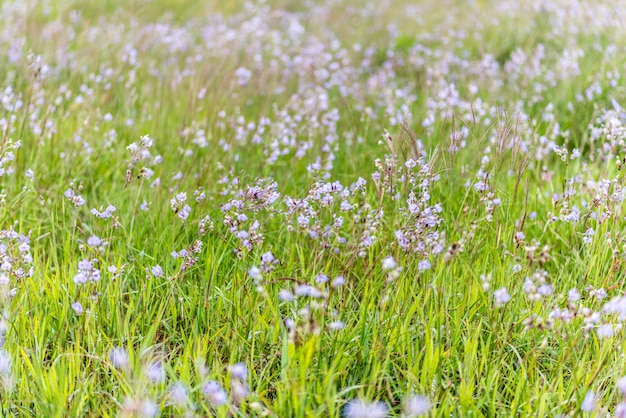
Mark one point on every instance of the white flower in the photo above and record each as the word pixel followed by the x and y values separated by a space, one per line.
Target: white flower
pixel 589 403
pixel 119 358
pixel 215 393
pixel 94 241
pixel 146 141
pixel 338 281
pixel 621 385
pixel 239 371
pixel 5 364
pixel 544 289
pixel 308 290
pixel 78 308
pixel 389 263
pixel 80 278
pixel 157 271
pixel 605 331
pixel 85 265
pixel 155 372
pixel 238 391
pixel 149 409
pixel 267 258
pixel 183 214
pixel 573 295
pixel 336 325
pixel 362 409
pixel 321 278
pixel 417 406
pixel 178 394
pixel 502 296
pixel 255 273
pixel 243 76
pixel 285 295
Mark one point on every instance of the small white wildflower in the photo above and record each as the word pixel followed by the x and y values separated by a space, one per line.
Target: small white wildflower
pixel 215 393
pixel 78 308
pixel 338 281
pixel 183 214
pixel 544 290
pixel 76 199
pixel 605 331
pixel 155 372
pixel 85 265
pixel 621 385
pixel 238 391
pixel 243 76
pixel 589 403
pixel 146 141
pixel 157 271
pixel 321 278
pixel 267 258
pixel 588 236
pixel 336 325
pixel 308 290
pixel 80 278
pixel 148 409
pixel 178 395
pixel 3 331
pixel 285 295
pixel 119 358
pixel 94 241
pixel 416 406
pixel 501 296
pixel 423 265
pixel 5 364
pixel 485 280
pixel 362 409
pixel 239 371
pixel 389 263
pixel 255 273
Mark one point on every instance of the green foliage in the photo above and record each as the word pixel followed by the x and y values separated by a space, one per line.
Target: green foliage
pixel 434 331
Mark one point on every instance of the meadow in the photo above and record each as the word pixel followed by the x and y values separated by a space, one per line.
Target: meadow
pixel 286 208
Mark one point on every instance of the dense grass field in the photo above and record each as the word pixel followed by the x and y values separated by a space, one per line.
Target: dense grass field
pixel 286 208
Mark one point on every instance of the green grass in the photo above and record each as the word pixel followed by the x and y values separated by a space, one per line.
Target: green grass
pixel 407 330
